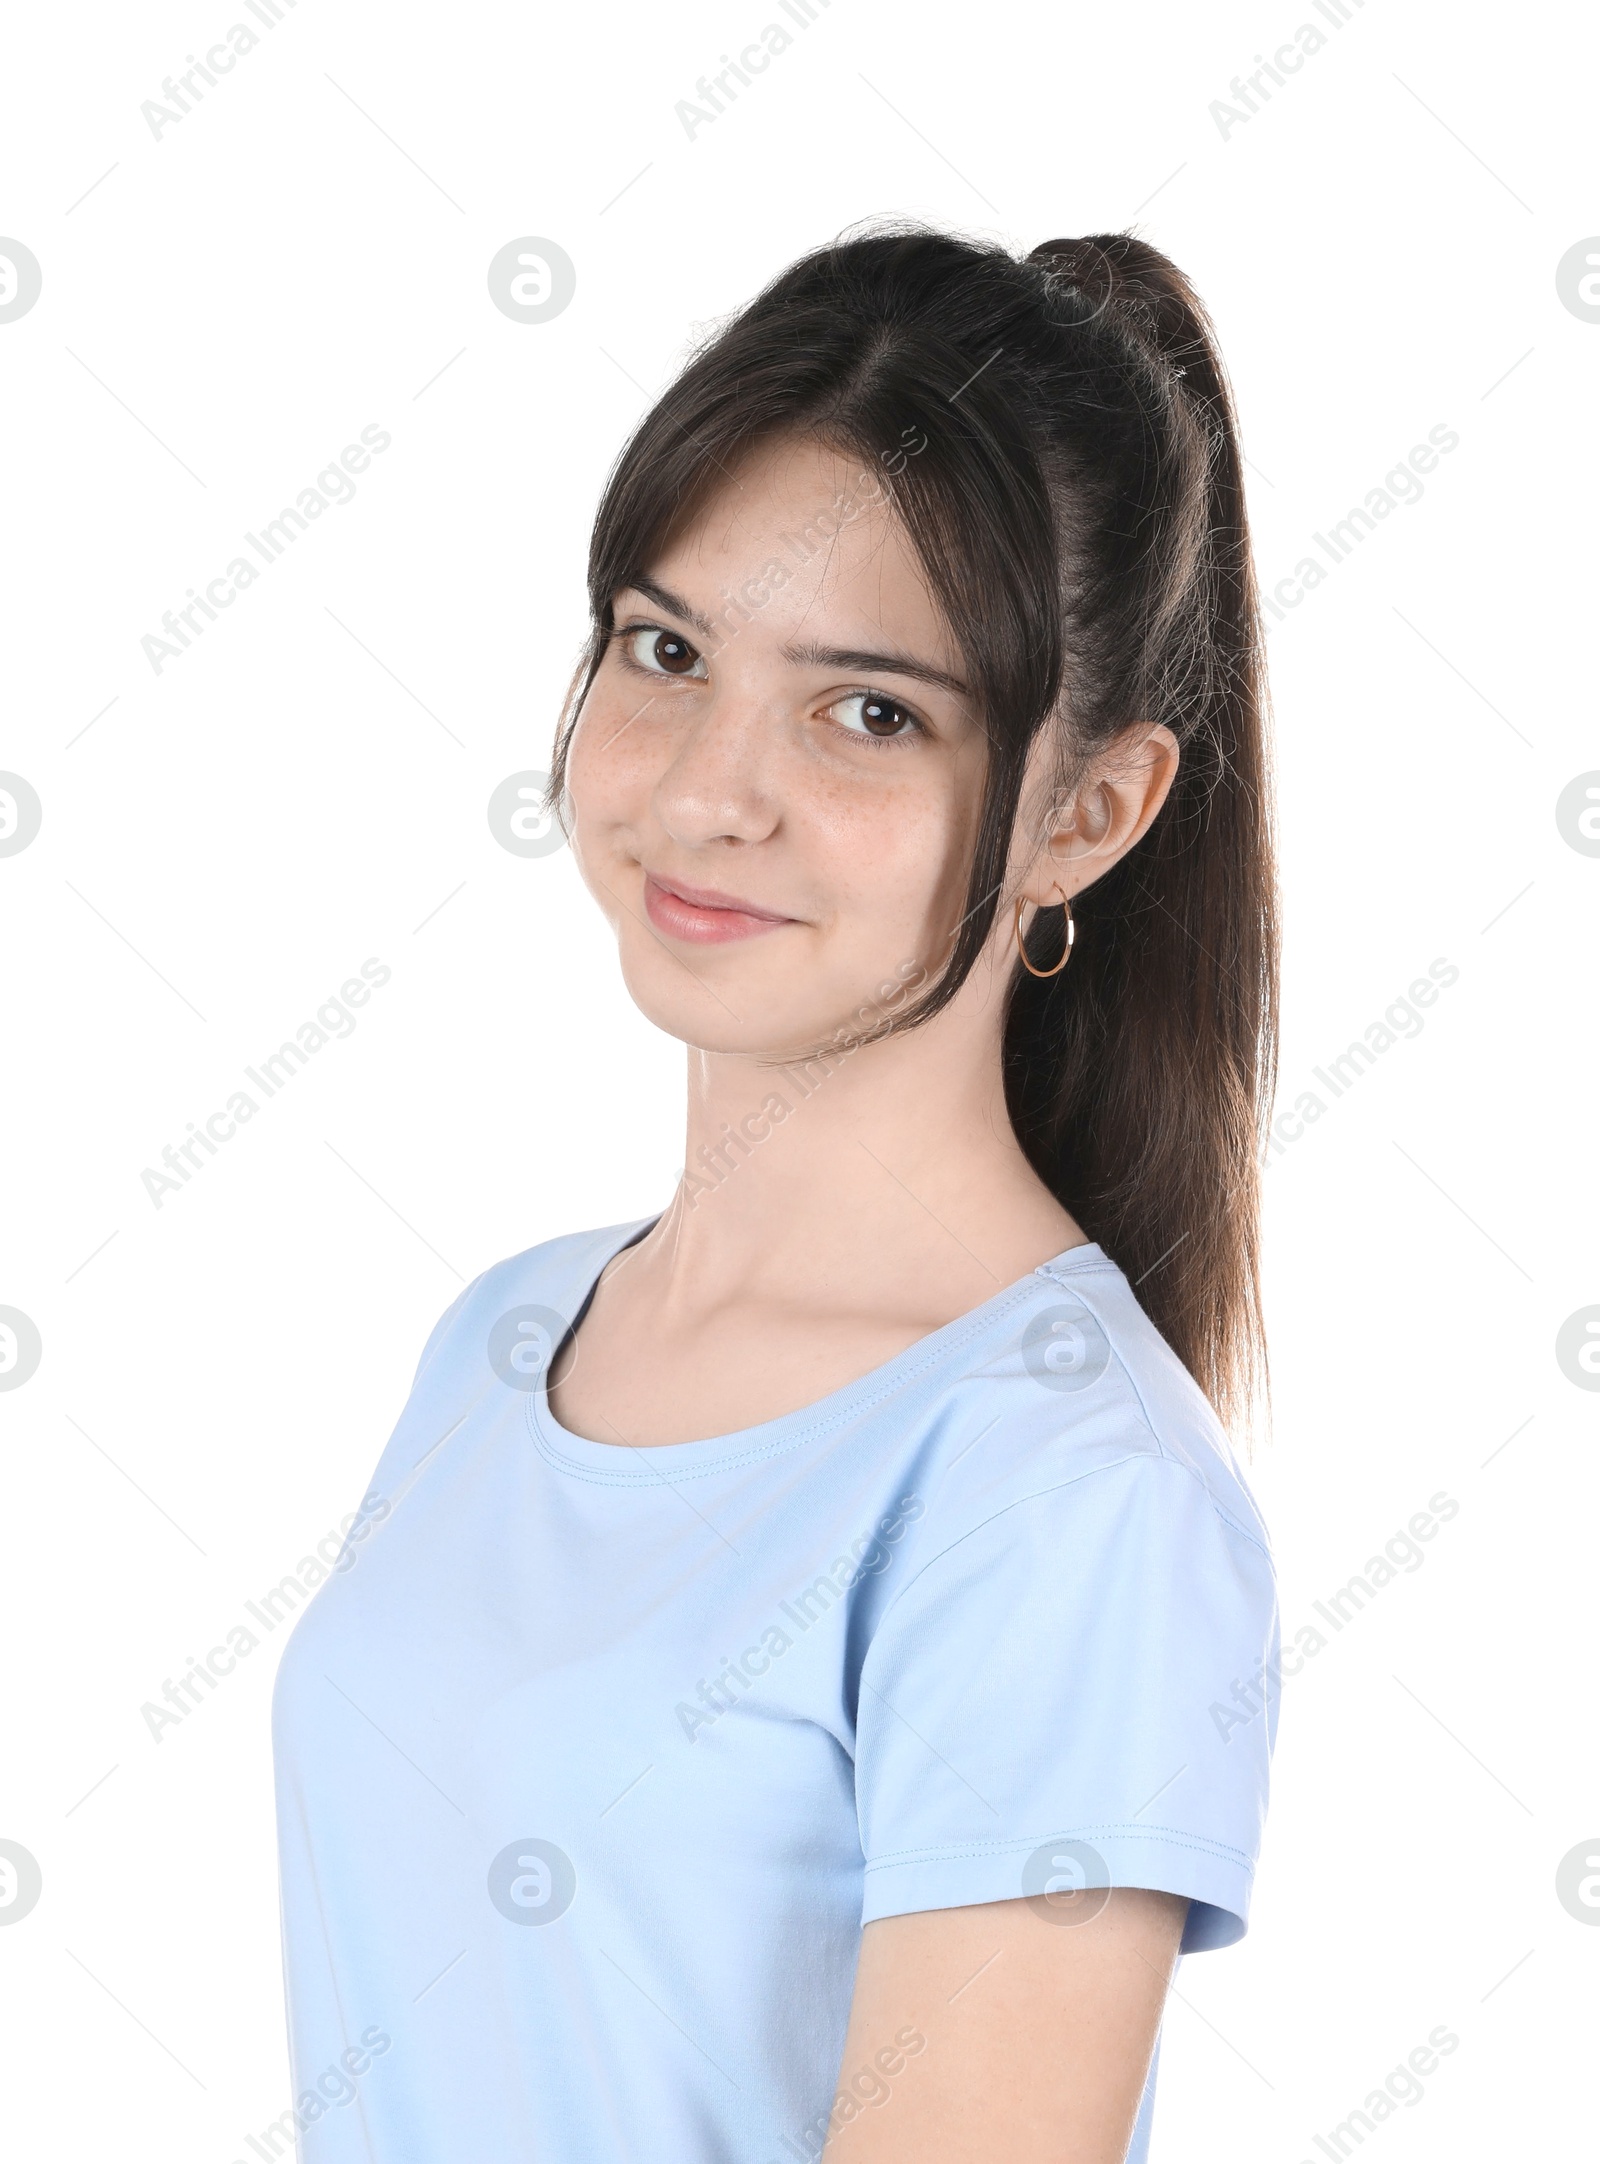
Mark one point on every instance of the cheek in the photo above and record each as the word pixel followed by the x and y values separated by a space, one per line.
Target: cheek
pixel 891 861
pixel 923 839
pixel 611 761
pixel 901 802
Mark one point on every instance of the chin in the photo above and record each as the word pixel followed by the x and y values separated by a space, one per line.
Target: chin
pixel 754 1031
pixel 745 1013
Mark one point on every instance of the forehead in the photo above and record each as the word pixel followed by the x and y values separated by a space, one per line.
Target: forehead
pixel 826 518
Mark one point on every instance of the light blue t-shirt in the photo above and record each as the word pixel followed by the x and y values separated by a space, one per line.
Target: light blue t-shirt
pixel 593 1761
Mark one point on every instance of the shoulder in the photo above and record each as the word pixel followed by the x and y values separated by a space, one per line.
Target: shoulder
pixel 1154 1393
pixel 1075 1408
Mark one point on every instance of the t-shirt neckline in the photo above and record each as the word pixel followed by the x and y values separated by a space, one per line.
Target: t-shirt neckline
pixel 653 1464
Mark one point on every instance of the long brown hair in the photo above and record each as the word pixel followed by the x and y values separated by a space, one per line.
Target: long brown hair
pixel 1076 498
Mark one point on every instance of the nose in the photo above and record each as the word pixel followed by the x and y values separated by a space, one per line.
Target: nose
pixel 720 785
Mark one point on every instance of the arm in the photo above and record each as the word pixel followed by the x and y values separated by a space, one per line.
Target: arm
pixel 1036 2037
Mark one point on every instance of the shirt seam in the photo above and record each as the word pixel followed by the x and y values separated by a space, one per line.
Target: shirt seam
pixel 1088 1473
pixel 1227 1516
pixel 1167 1836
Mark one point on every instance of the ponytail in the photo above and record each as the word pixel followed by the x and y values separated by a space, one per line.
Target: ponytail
pixel 1140 1080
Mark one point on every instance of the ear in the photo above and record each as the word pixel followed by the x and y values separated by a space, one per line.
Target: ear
pixel 1109 811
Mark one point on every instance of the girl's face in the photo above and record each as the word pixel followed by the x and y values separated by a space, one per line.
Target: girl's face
pixel 775 780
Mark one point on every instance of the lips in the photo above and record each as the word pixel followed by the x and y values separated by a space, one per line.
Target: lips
pixel 704 916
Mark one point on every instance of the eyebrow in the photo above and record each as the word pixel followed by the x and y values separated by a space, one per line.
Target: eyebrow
pixel 808 654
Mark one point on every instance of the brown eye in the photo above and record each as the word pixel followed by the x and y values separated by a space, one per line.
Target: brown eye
pixel 882 717
pixel 664 653
pixel 871 714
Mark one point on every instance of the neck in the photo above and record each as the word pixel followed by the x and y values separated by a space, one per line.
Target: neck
pixel 835 1170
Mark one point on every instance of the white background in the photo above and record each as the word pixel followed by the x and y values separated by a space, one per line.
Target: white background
pixel 223 844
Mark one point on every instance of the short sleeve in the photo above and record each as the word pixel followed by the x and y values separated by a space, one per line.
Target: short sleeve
pixel 1061 1697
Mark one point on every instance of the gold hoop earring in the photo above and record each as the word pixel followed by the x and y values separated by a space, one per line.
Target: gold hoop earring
pixel 1066 948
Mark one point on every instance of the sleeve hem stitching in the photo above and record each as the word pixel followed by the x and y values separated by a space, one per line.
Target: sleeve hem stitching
pixel 1165 1836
